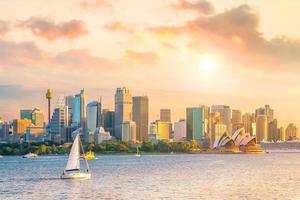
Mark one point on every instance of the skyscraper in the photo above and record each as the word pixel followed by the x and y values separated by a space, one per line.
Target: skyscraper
pixel 79 111
pixel 69 101
pixel 180 130
pixel 58 122
pixel 273 133
pixel 123 109
pixel 225 115
pixel 247 120
pixel 163 130
pixel 37 117
pixel 266 110
pixel 93 116
pixel 236 120
pixel 165 115
pixel 49 96
pixel 195 123
pixel 261 128
pixel 108 121
pixel 140 115
pixel 129 131
pixel 291 132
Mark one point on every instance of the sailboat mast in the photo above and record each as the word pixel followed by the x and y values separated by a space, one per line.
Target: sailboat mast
pixel 87 164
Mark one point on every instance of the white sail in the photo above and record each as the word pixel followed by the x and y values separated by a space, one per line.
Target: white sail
pixel 74 157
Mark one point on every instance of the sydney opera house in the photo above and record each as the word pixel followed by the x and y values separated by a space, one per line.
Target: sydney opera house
pixel 238 142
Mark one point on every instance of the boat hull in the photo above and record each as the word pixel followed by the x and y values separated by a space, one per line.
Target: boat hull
pixel 75 175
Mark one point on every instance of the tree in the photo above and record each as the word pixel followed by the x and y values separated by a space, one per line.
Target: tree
pixel 163 146
pixel 147 146
pixel 43 149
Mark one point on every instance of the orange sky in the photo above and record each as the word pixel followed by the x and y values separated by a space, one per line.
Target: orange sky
pixel 180 53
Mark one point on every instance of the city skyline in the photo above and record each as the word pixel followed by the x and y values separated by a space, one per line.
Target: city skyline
pixel 170 50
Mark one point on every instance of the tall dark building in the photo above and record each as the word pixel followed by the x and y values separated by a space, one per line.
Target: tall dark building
pixel 165 115
pixel 108 118
pixel 140 115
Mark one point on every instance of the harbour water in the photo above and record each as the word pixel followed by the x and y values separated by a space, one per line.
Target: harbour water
pixel 177 176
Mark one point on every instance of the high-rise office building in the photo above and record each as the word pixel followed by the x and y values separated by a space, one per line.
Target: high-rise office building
pixel 108 121
pixel 247 121
pixel 180 130
pixel 163 130
pixel 272 131
pixel 220 129
pixel 236 120
pixel 69 101
pixel 165 115
pixel 291 132
pixel 20 126
pixel 37 117
pixel 195 123
pixel 26 114
pixel 215 118
pixel 93 116
pixel 225 113
pixel 59 122
pixel 79 111
pixel 261 128
pixel 140 116
pixel 129 131
pixel 123 109
pixel 266 110
pixel 281 133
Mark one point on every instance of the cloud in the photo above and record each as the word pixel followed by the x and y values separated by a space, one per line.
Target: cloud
pixel 141 58
pixel 24 54
pixel 235 34
pixel 202 6
pixel 120 27
pixel 83 59
pixel 4 27
pixel 96 4
pixel 46 28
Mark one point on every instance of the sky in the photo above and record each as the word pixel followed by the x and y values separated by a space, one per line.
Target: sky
pixel 180 53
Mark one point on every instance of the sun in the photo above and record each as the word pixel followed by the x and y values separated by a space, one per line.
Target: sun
pixel 207 64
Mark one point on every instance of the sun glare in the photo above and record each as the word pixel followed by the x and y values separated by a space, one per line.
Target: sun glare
pixel 207 64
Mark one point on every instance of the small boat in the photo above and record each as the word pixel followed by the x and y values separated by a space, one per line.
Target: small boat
pixel 30 155
pixel 72 170
pixel 1 157
pixel 90 156
pixel 138 154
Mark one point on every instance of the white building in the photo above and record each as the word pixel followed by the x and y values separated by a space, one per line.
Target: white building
pixel 129 131
pixel 180 130
pixel 101 135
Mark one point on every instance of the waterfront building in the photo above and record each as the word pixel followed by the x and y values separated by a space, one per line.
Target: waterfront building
pixel 266 110
pixel 20 125
pixel 101 135
pixel 129 131
pixel 220 129
pixel 247 121
pixel 163 130
pixel 291 132
pixel 180 130
pixel 69 101
pixel 26 114
pixel 214 119
pixel 236 120
pixel 253 129
pixel 58 122
pixel 195 123
pixel 165 115
pixel 272 131
pixel 261 128
pixel 108 120
pixel 79 111
pixel 123 109
pixel 140 115
pixel 225 115
pixel 93 116
pixel 281 133
pixel 37 117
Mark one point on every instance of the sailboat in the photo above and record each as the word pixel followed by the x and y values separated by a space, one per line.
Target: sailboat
pixel 72 170
pixel 138 154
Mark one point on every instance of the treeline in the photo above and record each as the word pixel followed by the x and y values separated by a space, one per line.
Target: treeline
pixel 108 147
